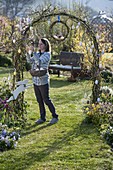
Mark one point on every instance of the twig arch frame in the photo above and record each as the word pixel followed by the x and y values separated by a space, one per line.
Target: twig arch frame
pixel 96 53
pixel 56 37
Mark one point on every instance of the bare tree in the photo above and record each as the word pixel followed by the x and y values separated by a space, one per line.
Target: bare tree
pixel 12 8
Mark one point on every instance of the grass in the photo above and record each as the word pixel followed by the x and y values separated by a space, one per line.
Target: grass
pixel 71 144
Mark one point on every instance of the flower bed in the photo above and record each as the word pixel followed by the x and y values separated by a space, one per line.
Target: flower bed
pixel 101 114
pixel 8 139
pixel 13 113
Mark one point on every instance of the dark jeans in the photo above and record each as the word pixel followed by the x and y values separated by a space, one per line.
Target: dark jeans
pixel 42 96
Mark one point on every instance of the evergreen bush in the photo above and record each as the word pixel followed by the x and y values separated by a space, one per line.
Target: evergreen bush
pixel 5 60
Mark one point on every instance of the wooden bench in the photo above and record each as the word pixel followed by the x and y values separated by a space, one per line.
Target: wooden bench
pixel 69 61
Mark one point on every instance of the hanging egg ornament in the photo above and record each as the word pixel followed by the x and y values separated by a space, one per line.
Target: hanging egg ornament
pixel 19 50
pixel 86 47
pixel 100 65
pixel 14 41
pixel 49 21
pixel 97 37
pixel 88 67
pixel 85 19
pixel 96 82
pixel 98 99
pixel 73 27
pixel 29 52
pixel 28 20
pixel 90 50
pixel 14 73
pixel 9 77
pixel 31 28
pixel 90 42
pixel 58 18
pixel 80 43
pixel 85 95
pixel 102 51
pixel 78 23
pixel 92 46
pixel 77 27
pixel 20 27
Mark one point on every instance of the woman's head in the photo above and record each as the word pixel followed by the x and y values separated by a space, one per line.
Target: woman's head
pixel 44 45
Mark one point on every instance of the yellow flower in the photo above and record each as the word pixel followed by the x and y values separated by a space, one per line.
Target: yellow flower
pixel 94 108
pixel 93 105
pixel 103 95
pixel 97 106
pixel 87 108
pixel 89 113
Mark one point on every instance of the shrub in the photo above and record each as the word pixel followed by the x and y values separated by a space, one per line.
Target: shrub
pixel 5 60
pixel 107 76
pixel 101 113
pixel 8 139
pixel 13 113
pixel 107 133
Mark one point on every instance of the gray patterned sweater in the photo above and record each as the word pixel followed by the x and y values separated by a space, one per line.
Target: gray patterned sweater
pixel 44 60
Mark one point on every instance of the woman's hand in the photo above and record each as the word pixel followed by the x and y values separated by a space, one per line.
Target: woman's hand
pixel 29 49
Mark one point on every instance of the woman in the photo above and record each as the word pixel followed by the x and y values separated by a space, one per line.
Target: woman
pixel 41 60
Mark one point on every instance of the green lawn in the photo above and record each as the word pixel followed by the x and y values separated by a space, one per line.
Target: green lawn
pixel 71 144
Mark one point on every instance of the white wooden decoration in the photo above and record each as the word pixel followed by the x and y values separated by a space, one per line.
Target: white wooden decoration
pixel 21 86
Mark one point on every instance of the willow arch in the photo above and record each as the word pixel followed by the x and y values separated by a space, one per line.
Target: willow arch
pixel 18 38
pixel 88 29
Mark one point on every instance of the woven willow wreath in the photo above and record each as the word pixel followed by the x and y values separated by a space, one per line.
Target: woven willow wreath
pixel 59 37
